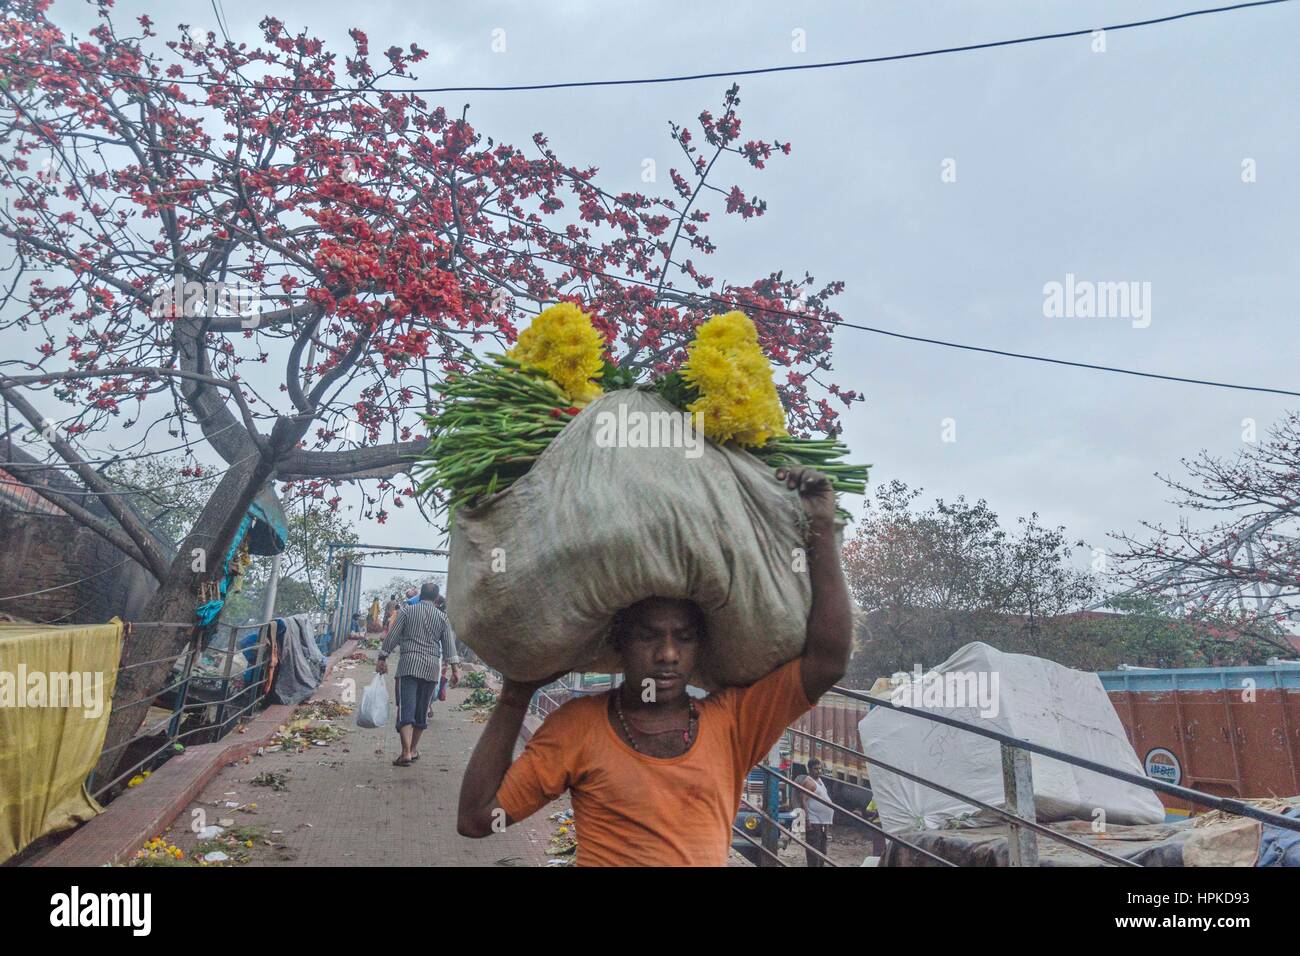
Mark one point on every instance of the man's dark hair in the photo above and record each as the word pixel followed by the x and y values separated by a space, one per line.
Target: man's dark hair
pixel 620 627
pixel 428 591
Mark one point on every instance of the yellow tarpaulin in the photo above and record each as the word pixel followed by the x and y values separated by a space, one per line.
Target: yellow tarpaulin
pixel 56 685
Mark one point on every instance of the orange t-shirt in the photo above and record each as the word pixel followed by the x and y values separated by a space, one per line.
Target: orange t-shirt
pixel 631 809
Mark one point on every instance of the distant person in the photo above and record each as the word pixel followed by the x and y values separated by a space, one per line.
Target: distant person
pixel 818 815
pixel 424 634
pixel 390 611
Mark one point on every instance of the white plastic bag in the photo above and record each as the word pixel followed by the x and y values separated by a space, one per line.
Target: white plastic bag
pixel 373 711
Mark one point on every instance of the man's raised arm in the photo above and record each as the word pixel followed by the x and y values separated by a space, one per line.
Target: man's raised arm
pixel 829 640
pixel 492 757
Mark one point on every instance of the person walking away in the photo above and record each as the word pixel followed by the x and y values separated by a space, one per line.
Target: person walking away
pixel 656 778
pixel 818 814
pixel 425 637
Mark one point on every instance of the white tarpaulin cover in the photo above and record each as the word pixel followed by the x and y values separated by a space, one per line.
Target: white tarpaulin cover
pixel 1023 696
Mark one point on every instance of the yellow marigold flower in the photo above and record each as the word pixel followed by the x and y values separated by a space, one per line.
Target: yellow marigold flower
pixel 564 344
pixel 731 331
pixel 135 781
pixel 727 367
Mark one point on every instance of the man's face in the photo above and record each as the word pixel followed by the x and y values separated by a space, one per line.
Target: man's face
pixel 661 644
pixel 815 770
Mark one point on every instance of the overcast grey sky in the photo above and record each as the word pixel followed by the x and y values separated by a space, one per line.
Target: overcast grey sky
pixel 1117 166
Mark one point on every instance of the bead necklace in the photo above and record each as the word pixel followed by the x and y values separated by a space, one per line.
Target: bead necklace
pixel 691 721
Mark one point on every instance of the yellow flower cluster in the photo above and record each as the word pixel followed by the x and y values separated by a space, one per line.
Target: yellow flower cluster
pixel 734 379
pixel 564 344
pixel 158 848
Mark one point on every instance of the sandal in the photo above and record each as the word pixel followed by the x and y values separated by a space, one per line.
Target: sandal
pixel 402 762
pixel 415 757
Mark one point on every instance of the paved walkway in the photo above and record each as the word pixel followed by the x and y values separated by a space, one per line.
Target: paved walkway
pixel 346 804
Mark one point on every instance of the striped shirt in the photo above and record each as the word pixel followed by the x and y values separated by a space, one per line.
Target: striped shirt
pixel 425 636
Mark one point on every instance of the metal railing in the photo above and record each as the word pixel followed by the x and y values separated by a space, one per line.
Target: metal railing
pixel 243 686
pixel 1017 774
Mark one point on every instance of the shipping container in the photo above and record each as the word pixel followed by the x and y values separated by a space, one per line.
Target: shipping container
pixel 1229 731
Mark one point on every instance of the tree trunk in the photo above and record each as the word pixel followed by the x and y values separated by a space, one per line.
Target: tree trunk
pixel 174 603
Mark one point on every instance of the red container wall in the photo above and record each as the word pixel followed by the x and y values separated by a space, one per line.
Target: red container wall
pixel 835 719
pixel 1226 743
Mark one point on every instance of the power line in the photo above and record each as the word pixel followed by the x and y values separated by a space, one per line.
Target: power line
pixel 394 567
pixel 683 78
pixel 113 494
pixel 831 64
pixel 1066 362
pixel 57 587
pixel 119 459
pixel 716 299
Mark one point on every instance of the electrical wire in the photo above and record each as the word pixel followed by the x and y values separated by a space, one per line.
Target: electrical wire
pixel 88 577
pixel 209 84
pixel 718 300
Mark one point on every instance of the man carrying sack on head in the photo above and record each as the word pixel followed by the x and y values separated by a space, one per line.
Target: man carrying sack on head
pixel 424 634
pixel 656 777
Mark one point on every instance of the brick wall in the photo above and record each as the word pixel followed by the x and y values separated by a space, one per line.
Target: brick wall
pixel 41 548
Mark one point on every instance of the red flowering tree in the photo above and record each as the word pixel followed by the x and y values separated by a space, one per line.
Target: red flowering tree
pixel 270 247
pixel 1231 567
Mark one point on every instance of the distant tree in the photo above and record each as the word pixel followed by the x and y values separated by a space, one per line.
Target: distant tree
pixel 292 596
pixel 1142 631
pixel 928 581
pixel 1232 565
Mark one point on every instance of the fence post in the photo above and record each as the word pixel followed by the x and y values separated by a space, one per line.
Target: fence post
pixel 1018 785
pixel 220 723
pixel 183 692
pixel 772 807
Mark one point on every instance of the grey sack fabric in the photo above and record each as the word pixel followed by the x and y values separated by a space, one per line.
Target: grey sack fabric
pixel 301 663
pixel 537 572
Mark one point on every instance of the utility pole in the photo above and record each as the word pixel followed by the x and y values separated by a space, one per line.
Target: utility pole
pixel 272 585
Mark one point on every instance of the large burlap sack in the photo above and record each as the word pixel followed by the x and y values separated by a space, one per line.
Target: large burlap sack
pixel 537 572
